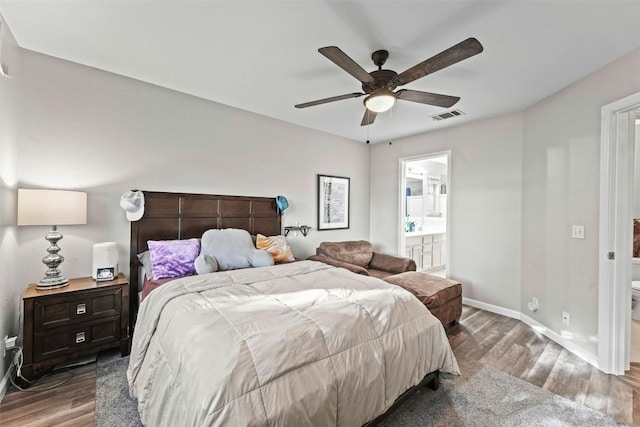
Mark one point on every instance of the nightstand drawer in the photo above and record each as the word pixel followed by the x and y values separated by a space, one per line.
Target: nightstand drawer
pixel 62 341
pixel 54 312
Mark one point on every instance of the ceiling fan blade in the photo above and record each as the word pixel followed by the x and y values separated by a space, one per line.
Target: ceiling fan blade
pixel 457 53
pixel 332 99
pixel 369 117
pixel 445 101
pixel 338 57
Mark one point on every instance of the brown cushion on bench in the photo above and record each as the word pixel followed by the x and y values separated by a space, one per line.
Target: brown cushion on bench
pixel 443 297
pixel 432 291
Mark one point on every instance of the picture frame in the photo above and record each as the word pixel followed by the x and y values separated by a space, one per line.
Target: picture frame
pixel 333 202
pixel 105 274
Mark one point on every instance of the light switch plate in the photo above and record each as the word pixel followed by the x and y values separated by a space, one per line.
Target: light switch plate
pixel 577 231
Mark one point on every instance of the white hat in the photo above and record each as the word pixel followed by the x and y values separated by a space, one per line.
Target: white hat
pixel 133 204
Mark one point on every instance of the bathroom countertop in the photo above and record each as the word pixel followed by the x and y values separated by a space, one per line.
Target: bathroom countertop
pixel 428 232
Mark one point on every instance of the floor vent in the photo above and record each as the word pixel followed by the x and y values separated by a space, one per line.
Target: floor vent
pixel 447 115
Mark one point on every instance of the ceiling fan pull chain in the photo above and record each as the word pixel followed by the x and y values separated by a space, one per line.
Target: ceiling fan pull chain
pixel 368 126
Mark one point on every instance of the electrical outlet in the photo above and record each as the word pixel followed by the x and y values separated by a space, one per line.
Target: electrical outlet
pixel 533 304
pixel 534 300
pixel 565 318
pixel 10 342
pixel 7 344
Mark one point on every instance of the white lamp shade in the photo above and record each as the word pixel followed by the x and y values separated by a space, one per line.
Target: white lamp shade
pixel 51 207
pixel 381 101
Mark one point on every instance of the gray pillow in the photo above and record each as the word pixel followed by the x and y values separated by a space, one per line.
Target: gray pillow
pixel 261 258
pixel 145 260
pixel 232 249
pixel 205 264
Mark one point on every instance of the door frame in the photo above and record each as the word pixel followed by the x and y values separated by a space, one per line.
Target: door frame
pixel 402 194
pixel 616 215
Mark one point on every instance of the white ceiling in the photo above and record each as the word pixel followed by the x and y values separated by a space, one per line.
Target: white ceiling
pixel 261 56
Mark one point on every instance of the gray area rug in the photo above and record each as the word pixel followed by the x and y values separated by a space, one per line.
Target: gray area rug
pixel 482 396
pixel 114 406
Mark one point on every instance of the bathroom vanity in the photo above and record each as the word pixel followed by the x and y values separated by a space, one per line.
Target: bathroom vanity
pixel 426 248
pixel 425 212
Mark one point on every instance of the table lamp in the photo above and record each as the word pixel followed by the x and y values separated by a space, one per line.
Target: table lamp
pixel 54 208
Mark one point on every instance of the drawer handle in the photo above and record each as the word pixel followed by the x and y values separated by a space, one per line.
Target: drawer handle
pixel 80 337
pixel 81 309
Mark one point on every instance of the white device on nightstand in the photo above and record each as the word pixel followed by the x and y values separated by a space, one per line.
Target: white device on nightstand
pixel 105 256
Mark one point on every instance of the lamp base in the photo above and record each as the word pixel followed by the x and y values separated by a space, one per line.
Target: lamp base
pixel 52 283
pixel 52 277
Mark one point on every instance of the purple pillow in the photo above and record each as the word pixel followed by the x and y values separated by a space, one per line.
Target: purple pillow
pixel 173 258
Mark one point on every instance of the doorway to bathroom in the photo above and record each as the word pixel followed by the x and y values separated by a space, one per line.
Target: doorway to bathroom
pixel 424 211
pixel 619 160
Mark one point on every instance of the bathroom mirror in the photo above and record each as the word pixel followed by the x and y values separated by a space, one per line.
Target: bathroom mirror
pixel 636 238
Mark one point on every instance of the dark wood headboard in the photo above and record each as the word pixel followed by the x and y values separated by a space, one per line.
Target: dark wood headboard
pixel 170 216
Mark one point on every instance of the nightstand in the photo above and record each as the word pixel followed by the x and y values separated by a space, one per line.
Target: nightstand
pixel 80 319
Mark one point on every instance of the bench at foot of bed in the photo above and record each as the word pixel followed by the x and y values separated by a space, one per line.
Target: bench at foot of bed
pixel 443 297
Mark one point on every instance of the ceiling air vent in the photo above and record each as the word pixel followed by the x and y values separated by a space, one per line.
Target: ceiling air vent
pixel 447 115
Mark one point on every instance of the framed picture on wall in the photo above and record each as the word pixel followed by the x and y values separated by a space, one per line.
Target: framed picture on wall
pixel 333 202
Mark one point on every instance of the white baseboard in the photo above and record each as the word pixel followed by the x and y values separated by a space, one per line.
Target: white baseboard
pixel 552 335
pixel 4 384
pixel 492 308
pixel 592 359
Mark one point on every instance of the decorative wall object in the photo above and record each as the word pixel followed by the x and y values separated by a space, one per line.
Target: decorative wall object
pixel 333 202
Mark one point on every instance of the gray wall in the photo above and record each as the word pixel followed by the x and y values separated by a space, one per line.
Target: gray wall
pixel 518 183
pixel 484 203
pixel 10 290
pixel 561 179
pixel 106 134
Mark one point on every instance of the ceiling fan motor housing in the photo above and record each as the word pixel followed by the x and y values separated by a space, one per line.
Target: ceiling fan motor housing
pixel 382 79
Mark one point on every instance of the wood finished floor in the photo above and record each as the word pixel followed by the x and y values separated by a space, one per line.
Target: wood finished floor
pixel 501 342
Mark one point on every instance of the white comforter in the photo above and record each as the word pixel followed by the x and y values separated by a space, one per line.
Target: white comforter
pixel 289 345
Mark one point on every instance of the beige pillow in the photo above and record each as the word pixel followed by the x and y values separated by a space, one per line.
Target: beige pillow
pixel 277 246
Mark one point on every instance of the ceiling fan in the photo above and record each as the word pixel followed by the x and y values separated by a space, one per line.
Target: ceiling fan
pixel 379 84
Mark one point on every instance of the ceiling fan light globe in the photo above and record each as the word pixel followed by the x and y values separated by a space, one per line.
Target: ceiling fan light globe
pixel 381 102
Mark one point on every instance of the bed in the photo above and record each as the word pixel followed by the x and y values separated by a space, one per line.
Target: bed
pixel 301 343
